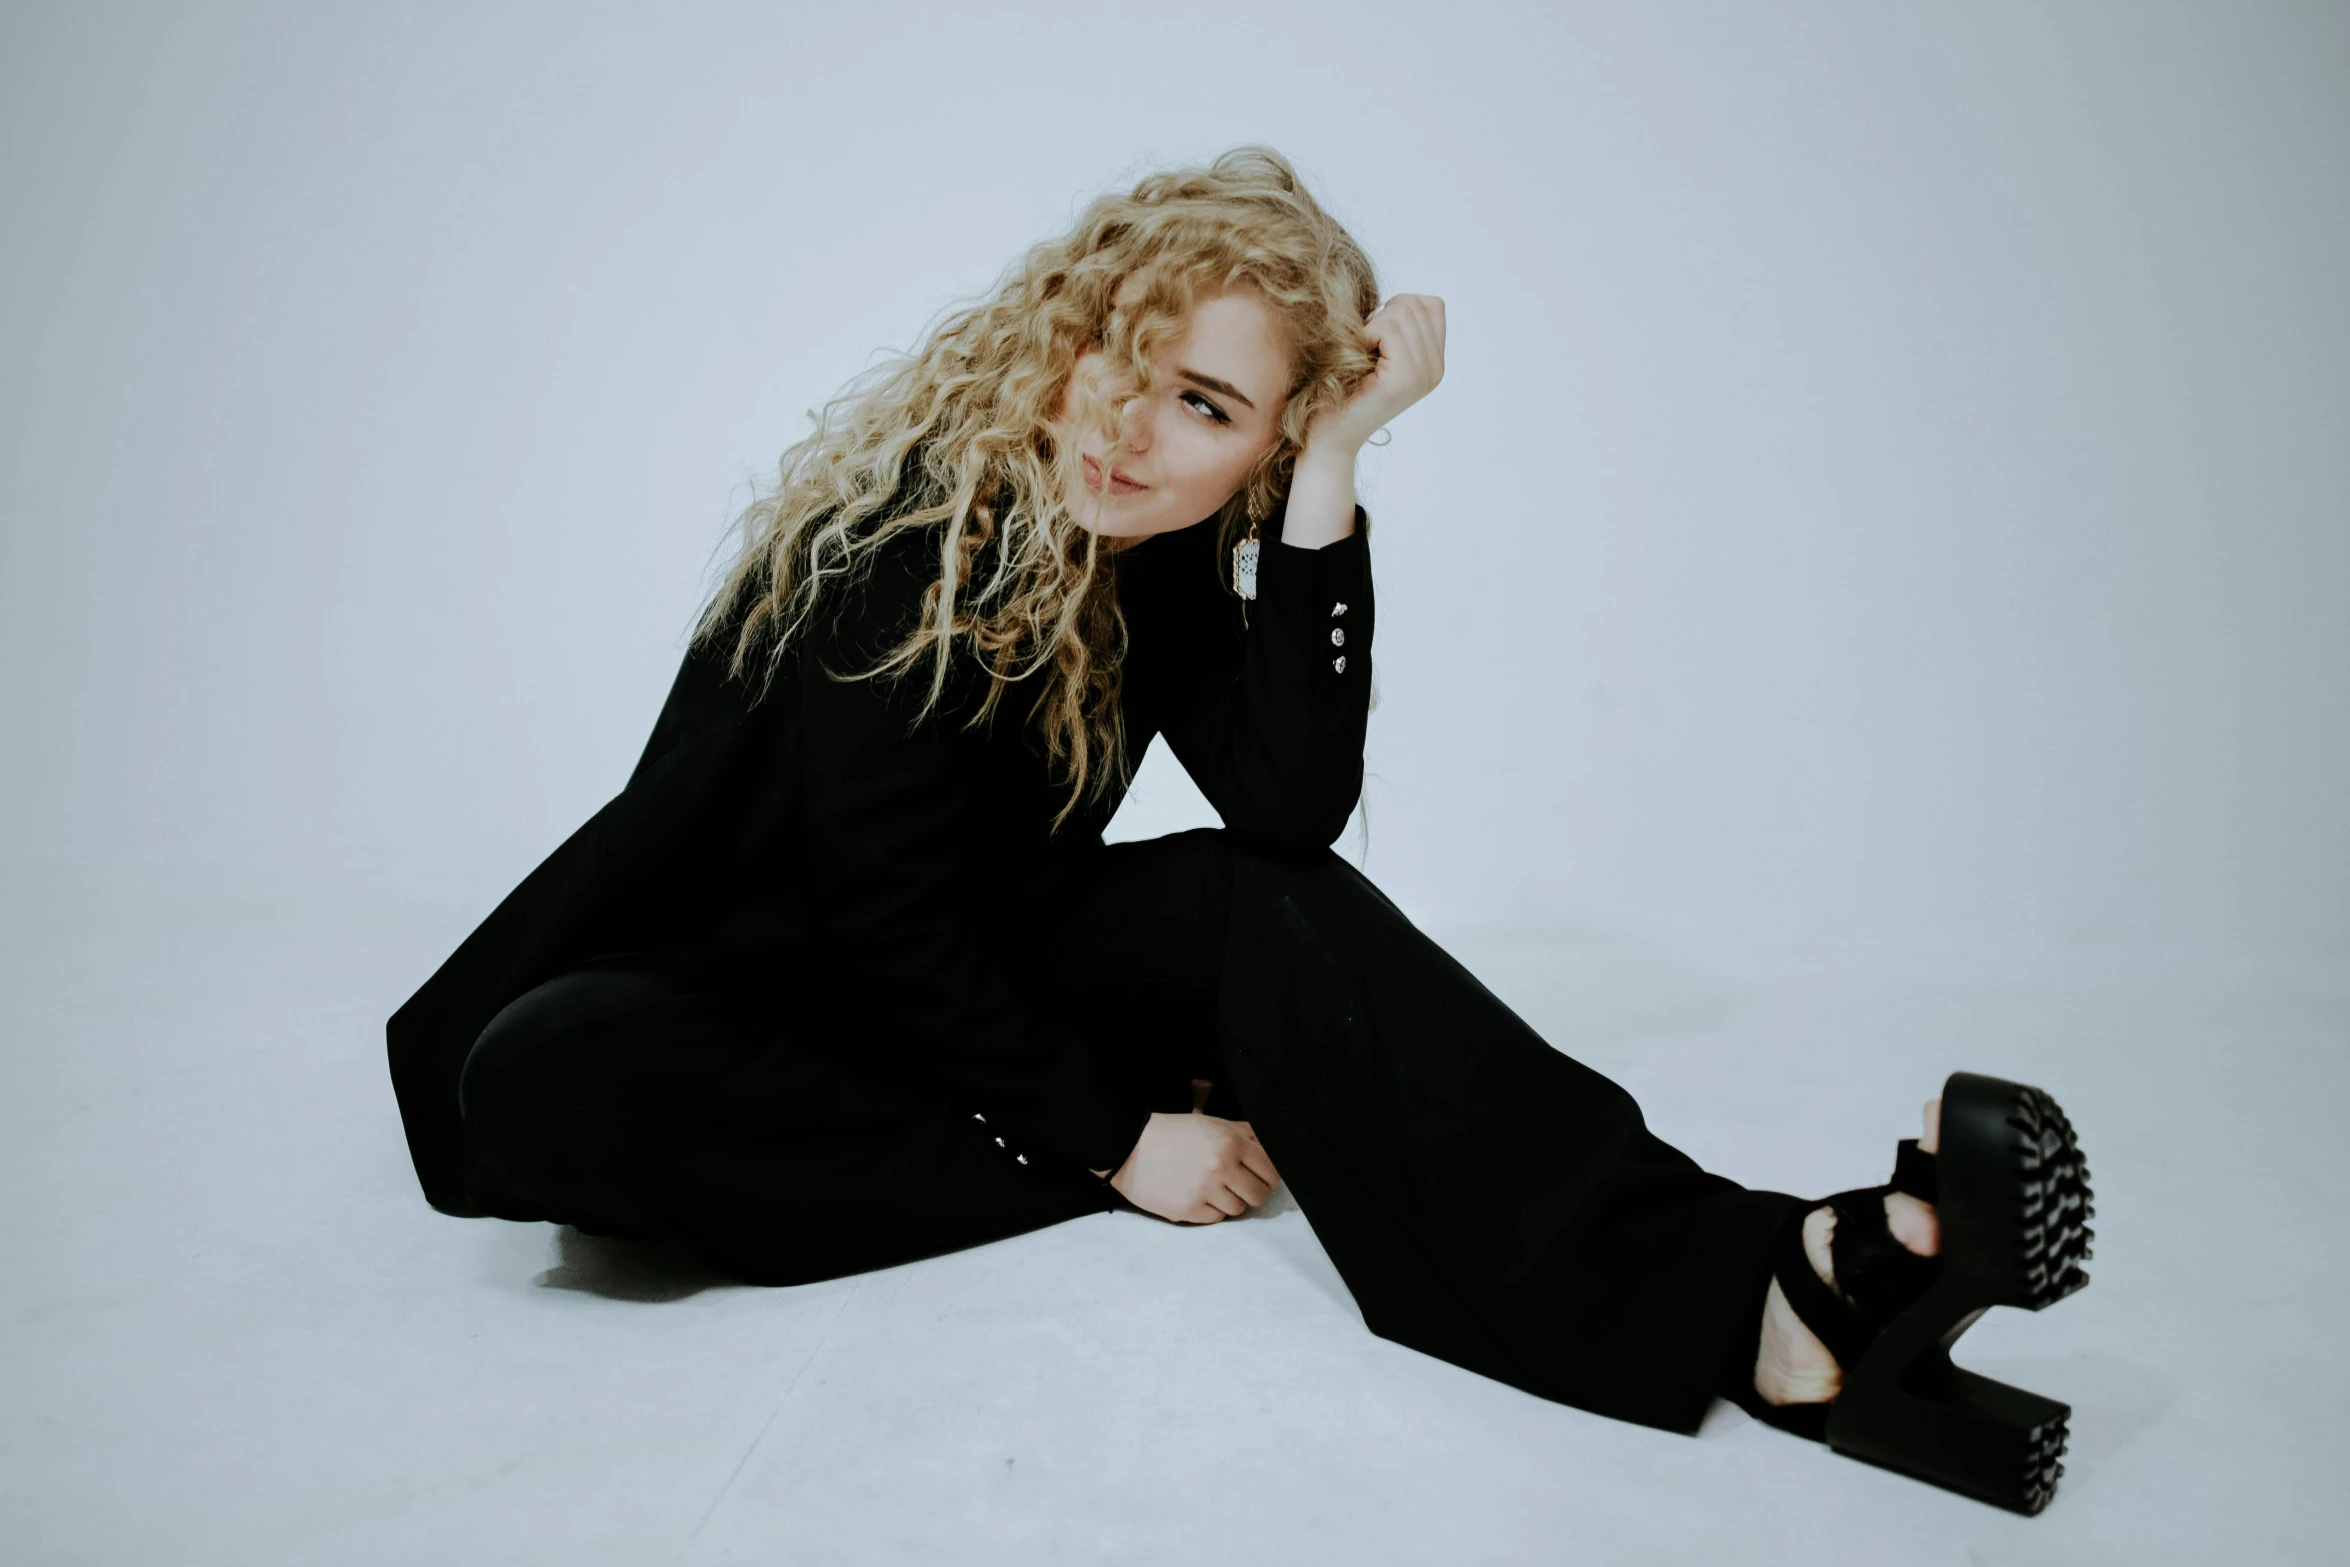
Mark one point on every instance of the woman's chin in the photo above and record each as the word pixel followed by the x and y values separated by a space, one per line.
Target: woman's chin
pixel 1107 514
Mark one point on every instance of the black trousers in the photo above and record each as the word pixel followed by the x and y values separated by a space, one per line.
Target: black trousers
pixel 1486 1199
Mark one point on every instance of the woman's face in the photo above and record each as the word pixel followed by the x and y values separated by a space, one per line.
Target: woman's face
pixel 1183 453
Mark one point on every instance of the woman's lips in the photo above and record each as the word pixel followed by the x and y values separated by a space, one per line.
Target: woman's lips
pixel 1119 483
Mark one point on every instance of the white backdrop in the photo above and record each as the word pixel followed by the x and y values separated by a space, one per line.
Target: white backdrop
pixel 1891 498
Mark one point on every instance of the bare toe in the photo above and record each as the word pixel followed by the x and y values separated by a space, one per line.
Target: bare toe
pixel 1915 1224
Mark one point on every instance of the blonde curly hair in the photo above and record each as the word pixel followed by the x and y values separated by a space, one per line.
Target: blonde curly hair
pixel 957 437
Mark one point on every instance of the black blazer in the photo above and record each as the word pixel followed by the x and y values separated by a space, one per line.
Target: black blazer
pixel 885 877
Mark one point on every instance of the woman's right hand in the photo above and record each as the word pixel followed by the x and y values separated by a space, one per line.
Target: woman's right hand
pixel 1196 1169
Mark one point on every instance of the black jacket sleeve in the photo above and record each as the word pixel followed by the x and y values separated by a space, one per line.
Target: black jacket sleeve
pixel 1266 705
pixel 917 888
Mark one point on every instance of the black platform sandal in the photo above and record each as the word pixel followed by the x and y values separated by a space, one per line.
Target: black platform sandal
pixel 2013 1196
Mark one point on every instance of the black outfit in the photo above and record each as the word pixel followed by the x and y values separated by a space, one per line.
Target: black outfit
pixel 820 991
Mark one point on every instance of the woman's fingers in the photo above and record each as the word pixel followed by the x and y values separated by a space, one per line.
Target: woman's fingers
pixel 1396 336
pixel 1406 337
pixel 1208 1168
pixel 1421 315
pixel 1254 1158
pixel 1250 1187
pixel 1409 334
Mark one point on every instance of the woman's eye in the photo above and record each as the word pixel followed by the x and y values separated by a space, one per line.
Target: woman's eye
pixel 1199 404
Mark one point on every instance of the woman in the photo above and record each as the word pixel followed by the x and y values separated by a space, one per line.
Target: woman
pixel 846 976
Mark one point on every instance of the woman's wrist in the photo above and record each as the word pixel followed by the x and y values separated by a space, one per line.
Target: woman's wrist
pixel 1110 1178
pixel 1321 508
pixel 1111 1174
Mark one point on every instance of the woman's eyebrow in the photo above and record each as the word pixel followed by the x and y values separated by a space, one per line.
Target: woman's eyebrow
pixel 1214 385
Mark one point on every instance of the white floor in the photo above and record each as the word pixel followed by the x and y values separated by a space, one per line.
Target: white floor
pixel 236 1334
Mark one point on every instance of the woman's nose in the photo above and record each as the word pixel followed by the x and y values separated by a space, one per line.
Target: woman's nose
pixel 1134 428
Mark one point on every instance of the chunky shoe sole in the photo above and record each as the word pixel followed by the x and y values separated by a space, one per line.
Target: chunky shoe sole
pixel 2015 1209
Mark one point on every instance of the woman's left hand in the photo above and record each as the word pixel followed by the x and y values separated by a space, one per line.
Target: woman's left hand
pixel 1408 335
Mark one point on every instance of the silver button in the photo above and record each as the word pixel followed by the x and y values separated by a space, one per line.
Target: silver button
pixel 1338 609
pixel 1338 636
pixel 1339 663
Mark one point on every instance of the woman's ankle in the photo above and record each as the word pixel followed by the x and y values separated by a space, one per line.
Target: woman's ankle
pixel 1791 1365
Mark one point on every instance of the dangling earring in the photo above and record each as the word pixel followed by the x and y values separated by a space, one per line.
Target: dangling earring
pixel 1244 563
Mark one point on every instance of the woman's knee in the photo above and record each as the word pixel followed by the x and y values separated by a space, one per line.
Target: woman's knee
pixel 494 1084
pixel 539 1049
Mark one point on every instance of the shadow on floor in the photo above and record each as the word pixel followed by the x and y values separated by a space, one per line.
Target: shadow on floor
pixel 618 1268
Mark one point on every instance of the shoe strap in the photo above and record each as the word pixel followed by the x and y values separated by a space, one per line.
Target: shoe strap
pixel 1877 1278
pixel 1914 1172
pixel 1874 1271
pixel 1829 1315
